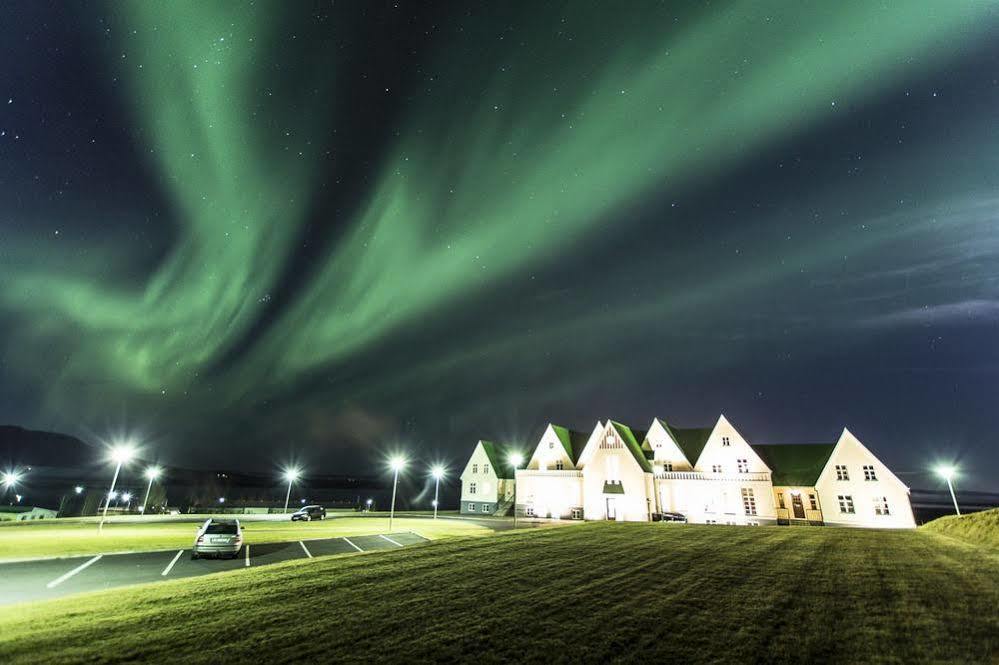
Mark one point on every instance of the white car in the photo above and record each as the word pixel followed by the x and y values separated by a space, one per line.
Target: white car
pixel 218 538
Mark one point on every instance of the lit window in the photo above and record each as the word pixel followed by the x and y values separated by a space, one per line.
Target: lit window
pixel 869 473
pixel 780 499
pixel 846 504
pixel 881 505
pixel 471 488
pixel 841 472
pixel 748 501
pixel 813 501
pixel 716 468
pixel 726 441
pixel 475 468
pixel 743 465
pixel 559 465
pixel 471 507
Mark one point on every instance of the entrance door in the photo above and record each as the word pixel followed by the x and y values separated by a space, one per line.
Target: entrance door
pixel 799 508
pixel 611 509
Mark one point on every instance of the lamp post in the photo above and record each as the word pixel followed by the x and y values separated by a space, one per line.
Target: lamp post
pixel 291 475
pixel 947 473
pixel 9 479
pixel 152 473
pixel 120 454
pixel 127 498
pixel 516 459
pixel 397 464
pixel 438 473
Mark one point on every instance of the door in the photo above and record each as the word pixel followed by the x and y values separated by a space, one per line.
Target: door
pixel 611 509
pixel 799 508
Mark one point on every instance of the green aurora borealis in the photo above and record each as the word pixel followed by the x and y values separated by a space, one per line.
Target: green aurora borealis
pixel 542 211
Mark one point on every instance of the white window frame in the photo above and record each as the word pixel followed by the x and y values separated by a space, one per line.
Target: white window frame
pixel 743 465
pixel 881 506
pixel 475 468
pixel 471 507
pixel 727 442
pixel 846 506
pixel 842 473
pixel 576 513
pixel 668 466
pixel 716 468
pixel 870 473
pixel 748 501
pixel 471 488
pixel 529 510
pixel 485 468
pixel 559 465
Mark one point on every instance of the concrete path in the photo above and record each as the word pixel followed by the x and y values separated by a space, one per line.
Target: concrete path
pixel 25 581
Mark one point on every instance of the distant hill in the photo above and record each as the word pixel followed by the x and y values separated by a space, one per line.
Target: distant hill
pixel 25 447
pixel 978 528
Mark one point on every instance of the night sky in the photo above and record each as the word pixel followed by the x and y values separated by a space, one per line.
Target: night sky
pixel 324 231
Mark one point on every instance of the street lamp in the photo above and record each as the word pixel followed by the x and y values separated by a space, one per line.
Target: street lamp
pixel 947 473
pixel 127 498
pixel 78 489
pixel 437 472
pixel 516 459
pixel 152 473
pixel 369 502
pixel 291 475
pixel 10 478
pixel 120 454
pixel 397 464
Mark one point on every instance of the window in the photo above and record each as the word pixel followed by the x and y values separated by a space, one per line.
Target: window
pixel 711 521
pixel 611 441
pixel 668 466
pixel 748 501
pixel 780 499
pixel 475 468
pixel 846 504
pixel 751 523
pixel 471 488
pixel 551 445
pixel 726 441
pixel 485 468
pixel 577 513
pixel 743 465
pixel 471 507
pixel 813 502
pixel 559 465
pixel 485 508
pixel 841 472
pixel 529 510
pixel 716 468
pixel 869 472
pixel 881 505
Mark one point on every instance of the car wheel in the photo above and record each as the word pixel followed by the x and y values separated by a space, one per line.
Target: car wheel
pixel 193 556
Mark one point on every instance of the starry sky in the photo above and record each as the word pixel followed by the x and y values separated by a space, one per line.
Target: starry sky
pixel 324 230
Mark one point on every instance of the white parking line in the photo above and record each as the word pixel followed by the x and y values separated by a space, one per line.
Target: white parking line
pixel 390 540
pixel 166 571
pixel 305 549
pixel 347 540
pixel 418 535
pixel 83 566
pixel 247 548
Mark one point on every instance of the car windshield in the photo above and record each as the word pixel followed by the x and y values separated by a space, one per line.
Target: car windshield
pixel 221 528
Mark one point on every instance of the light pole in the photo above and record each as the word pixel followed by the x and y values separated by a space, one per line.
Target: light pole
pixel 291 475
pixel 152 473
pixel 438 473
pixel 120 454
pixel 9 479
pixel 947 473
pixel 397 464
pixel 127 498
pixel 516 459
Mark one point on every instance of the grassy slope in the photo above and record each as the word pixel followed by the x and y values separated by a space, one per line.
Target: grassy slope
pixel 68 537
pixel 978 528
pixel 598 592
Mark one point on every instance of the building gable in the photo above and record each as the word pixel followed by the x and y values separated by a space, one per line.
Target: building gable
pixel 849 446
pixel 664 447
pixel 554 446
pixel 621 433
pixel 723 449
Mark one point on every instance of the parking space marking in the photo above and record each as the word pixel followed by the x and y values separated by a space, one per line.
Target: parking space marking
pixel 247 548
pixel 305 549
pixel 419 536
pixel 166 571
pixel 390 540
pixel 59 580
pixel 353 545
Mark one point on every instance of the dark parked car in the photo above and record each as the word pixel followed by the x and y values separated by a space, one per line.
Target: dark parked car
pixel 674 517
pixel 309 513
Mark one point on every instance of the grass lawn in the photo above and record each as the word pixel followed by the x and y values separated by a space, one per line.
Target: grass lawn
pixel 65 537
pixel 598 592
pixel 978 528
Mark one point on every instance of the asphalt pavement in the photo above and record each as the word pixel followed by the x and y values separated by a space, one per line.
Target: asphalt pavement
pixel 41 579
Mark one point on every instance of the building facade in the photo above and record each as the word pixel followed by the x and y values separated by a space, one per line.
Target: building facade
pixel 709 475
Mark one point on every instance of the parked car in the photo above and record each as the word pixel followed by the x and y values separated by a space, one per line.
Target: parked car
pixel 674 517
pixel 220 538
pixel 309 513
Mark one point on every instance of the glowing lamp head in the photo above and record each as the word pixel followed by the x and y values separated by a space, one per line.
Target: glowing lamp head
pixel 78 489
pixel 946 472
pixel 10 478
pixel 126 497
pixel 516 459
pixel 122 453
pixel 291 475
pixel 437 472
pixel 112 496
pixel 397 463
pixel 153 472
pixel 369 502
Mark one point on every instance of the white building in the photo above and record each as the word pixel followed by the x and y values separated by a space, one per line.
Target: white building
pixel 487 481
pixel 710 475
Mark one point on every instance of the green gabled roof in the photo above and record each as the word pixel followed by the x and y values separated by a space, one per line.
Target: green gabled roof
pixel 573 442
pixel 497 455
pixel 633 444
pixel 691 441
pixel 795 464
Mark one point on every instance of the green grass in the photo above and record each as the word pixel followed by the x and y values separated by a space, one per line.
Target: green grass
pixel 978 528
pixel 67 537
pixel 599 592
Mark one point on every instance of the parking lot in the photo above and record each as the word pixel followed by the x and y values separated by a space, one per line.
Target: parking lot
pixel 50 578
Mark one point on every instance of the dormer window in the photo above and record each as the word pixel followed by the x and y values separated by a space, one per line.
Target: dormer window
pixel 726 441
